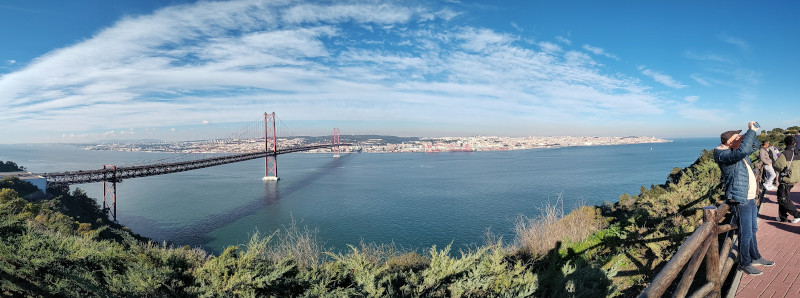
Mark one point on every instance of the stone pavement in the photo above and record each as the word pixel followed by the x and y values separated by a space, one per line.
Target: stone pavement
pixel 780 242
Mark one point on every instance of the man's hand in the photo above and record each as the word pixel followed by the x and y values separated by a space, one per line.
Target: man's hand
pixel 752 126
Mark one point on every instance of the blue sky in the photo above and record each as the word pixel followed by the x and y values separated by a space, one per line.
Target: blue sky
pixel 75 71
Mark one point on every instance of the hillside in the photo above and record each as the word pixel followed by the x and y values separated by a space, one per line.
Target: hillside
pixel 67 246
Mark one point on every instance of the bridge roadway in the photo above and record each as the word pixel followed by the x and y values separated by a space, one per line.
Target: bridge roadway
pixel 116 174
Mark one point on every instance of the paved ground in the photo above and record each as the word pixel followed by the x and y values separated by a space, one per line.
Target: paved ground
pixel 778 241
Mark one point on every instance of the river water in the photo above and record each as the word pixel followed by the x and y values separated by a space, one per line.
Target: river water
pixel 414 200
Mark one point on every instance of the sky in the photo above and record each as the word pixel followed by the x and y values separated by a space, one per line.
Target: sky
pixel 81 71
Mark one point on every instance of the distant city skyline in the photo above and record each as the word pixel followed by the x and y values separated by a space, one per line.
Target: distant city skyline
pixel 84 71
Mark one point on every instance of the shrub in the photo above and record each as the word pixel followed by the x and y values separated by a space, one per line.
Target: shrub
pixel 537 236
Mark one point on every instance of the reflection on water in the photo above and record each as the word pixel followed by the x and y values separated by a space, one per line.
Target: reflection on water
pixel 271 193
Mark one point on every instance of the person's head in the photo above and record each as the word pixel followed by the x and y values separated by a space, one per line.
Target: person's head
pixel 765 144
pixel 731 138
pixel 789 142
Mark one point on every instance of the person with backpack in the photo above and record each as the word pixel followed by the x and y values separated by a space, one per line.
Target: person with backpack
pixel 789 174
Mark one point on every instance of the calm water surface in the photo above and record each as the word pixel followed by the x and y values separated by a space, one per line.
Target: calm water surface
pixel 415 200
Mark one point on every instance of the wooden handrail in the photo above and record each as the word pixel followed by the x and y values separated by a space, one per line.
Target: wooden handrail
pixel 702 245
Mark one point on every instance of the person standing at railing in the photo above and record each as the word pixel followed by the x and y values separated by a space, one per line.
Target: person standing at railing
pixel 789 175
pixel 767 156
pixel 739 183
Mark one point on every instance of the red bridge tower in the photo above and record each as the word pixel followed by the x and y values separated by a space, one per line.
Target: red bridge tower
pixel 271 158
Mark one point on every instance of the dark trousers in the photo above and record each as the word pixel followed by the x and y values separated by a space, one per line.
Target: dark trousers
pixel 785 205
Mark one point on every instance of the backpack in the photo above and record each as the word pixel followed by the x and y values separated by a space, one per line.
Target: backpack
pixel 788 170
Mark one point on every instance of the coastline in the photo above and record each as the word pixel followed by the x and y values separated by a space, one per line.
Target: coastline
pixel 378 145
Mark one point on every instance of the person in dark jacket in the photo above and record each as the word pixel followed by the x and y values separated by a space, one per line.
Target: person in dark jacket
pixel 797 141
pixel 739 184
pixel 790 174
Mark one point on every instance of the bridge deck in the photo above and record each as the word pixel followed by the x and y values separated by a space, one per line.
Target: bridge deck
pixel 779 242
pixel 116 174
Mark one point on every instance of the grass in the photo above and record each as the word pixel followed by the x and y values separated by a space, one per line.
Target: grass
pixel 536 236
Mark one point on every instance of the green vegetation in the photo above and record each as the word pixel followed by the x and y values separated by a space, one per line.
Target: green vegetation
pixel 66 246
pixel 10 166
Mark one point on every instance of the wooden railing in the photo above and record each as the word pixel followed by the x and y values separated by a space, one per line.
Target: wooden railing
pixel 702 245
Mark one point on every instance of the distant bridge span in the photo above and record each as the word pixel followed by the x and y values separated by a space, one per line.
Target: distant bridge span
pixel 111 174
pixel 117 174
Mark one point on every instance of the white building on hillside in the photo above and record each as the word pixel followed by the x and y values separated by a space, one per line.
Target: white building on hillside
pixel 39 181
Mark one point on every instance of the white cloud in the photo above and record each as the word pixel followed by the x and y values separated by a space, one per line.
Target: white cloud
pixel 738 42
pixel 578 58
pixel 700 80
pixel 666 80
pixel 599 51
pixel 549 47
pixel 691 98
pixel 11 62
pixel 340 13
pixel 708 57
pixel 479 39
pixel 517 27
pixel 224 61
pixel 447 14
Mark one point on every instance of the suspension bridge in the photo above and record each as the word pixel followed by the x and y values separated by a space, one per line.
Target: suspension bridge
pixel 110 174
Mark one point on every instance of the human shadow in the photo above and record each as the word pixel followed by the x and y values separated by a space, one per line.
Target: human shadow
pixel 570 276
pixel 645 262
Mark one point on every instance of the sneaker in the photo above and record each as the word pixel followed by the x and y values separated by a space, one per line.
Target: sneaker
pixel 750 270
pixel 778 219
pixel 763 262
pixel 796 220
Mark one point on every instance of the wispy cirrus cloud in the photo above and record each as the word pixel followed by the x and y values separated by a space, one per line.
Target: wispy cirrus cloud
pixel 216 62
pixel 711 57
pixel 736 41
pixel 599 51
pixel 664 79
pixel 700 80
pixel 564 40
pixel 691 98
pixel 717 69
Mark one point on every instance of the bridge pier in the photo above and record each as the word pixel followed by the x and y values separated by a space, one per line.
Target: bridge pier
pixel 271 168
pixel 113 190
pixel 335 142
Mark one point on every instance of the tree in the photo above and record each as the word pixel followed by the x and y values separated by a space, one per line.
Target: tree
pixel 10 166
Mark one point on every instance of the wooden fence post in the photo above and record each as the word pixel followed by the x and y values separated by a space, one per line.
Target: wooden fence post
pixel 712 254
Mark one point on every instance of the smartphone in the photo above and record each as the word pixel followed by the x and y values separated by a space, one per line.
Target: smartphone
pixel 756 125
